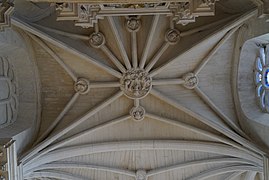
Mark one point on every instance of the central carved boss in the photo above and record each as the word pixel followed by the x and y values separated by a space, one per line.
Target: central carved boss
pixel 136 83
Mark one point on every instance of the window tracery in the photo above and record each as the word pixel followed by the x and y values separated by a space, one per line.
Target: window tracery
pixel 261 78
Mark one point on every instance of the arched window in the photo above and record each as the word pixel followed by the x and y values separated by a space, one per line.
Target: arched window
pixel 261 78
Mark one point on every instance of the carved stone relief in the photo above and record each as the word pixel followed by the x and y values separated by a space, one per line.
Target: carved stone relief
pixel 133 24
pixel 8 93
pixel 191 81
pixel 82 86
pixel 97 40
pixel 183 12
pixel 136 83
pixel 138 113
pixel 172 36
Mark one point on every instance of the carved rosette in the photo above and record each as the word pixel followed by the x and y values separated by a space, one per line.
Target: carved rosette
pixel 136 83
pixel 133 24
pixel 138 113
pixel 82 86
pixel 172 36
pixel 141 175
pixel 191 81
pixel 97 39
pixel 8 94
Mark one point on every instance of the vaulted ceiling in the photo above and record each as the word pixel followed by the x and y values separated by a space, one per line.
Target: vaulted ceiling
pixel 154 102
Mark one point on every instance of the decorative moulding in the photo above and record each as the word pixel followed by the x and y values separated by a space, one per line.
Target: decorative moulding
pixel 86 13
pixel 6 9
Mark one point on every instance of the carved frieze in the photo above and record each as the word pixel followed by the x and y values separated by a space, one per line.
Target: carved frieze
pixel 182 11
pixel 6 9
pixel 8 93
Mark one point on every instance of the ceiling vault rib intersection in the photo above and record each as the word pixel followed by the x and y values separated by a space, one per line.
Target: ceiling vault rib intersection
pixel 47 150
pixel 53 125
pixel 203 132
pixel 113 58
pixel 134 49
pixel 149 41
pixel 222 170
pixel 213 51
pixel 235 23
pixel 77 165
pixel 27 27
pixel 225 118
pixel 119 43
pixel 90 113
pixel 234 175
pixel 214 125
pixel 150 173
pixel 55 56
pixel 87 149
pixel 77 136
pixel 250 175
pixel 197 162
pixel 54 174
pixel 60 32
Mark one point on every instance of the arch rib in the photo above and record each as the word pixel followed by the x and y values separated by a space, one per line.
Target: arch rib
pixel 222 170
pixel 51 139
pixel 87 149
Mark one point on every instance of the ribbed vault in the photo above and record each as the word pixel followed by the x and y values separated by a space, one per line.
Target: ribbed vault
pixel 149 102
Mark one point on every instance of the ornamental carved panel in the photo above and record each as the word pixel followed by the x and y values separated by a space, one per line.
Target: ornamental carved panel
pixel 8 93
pixel 182 12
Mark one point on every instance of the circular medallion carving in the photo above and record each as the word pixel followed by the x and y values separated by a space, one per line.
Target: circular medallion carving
pixel 82 86
pixel 191 81
pixel 172 36
pixel 97 40
pixel 138 113
pixel 141 175
pixel 136 83
pixel 133 24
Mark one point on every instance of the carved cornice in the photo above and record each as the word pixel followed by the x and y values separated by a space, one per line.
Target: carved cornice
pixel 86 13
pixel 6 9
